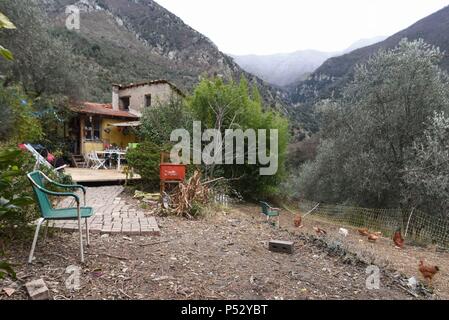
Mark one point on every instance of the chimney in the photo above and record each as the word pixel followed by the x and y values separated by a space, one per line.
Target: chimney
pixel 115 97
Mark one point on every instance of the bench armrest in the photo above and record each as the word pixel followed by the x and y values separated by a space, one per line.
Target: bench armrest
pixel 68 186
pixel 63 194
pixel 59 194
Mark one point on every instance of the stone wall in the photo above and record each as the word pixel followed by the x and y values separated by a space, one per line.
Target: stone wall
pixel 160 92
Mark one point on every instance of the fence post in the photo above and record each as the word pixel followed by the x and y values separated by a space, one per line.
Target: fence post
pixel 311 211
pixel 408 222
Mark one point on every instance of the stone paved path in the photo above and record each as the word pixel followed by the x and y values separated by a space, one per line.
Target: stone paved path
pixel 112 214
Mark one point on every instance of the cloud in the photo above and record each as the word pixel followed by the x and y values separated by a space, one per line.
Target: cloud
pixel 272 26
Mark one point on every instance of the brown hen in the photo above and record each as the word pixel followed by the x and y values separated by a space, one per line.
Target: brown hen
pixel 428 272
pixel 363 232
pixel 298 221
pixel 319 231
pixel 398 240
pixel 372 237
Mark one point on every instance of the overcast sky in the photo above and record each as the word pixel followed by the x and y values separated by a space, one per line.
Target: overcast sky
pixel 275 26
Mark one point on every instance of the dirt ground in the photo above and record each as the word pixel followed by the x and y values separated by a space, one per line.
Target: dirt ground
pixel 223 256
pixel 382 253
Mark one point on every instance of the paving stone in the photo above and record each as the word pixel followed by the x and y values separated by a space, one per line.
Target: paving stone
pixel 37 290
pixel 112 214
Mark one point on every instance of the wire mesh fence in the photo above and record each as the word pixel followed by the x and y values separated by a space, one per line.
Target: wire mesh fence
pixel 417 226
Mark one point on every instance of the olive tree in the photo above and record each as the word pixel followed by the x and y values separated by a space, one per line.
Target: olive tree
pixel 427 173
pixel 5 23
pixel 42 63
pixel 374 126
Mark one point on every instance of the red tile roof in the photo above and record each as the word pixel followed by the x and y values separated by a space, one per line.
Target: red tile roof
pixel 104 109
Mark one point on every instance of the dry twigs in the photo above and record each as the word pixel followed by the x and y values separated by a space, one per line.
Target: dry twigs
pixel 189 193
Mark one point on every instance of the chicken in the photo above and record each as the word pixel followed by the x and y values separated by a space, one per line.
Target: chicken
pixel 298 221
pixel 372 237
pixel 319 231
pixel 398 240
pixel 364 232
pixel 428 272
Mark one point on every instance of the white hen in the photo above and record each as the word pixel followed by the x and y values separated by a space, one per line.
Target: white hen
pixel 344 232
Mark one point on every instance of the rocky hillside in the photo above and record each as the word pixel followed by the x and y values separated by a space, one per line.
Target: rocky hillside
pixel 336 72
pixel 129 40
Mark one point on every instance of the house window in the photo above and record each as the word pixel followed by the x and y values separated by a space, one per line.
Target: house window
pixel 92 129
pixel 124 103
pixel 148 100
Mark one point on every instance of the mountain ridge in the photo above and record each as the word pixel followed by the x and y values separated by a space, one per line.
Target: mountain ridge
pixel 131 40
pixel 285 69
pixel 336 72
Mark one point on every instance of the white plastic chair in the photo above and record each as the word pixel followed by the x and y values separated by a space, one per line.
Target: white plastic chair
pixel 40 160
pixel 97 163
pixel 86 161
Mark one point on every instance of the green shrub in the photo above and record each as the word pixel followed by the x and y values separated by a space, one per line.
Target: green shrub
pixel 381 146
pixel 17 122
pixel 145 161
pixel 17 204
pixel 16 194
pixel 160 120
pixel 5 268
pixel 197 209
pixel 228 105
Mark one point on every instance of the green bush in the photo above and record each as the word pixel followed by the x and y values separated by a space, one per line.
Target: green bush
pixel 160 120
pixel 17 122
pixel 229 105
pixel 218 105
pixel 145 161
pixel 17 204
pixel 16 194
pixel 381 145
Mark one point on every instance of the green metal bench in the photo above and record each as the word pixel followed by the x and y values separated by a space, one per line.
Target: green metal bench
pixel 269 211
pixel 49 213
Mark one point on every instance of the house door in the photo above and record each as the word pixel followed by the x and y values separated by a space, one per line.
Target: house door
pixel 75 136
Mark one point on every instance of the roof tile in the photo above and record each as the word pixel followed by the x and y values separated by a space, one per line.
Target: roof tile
pixel 104 109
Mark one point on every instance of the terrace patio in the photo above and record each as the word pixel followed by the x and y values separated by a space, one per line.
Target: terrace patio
pixel 86 175
pixel 115 213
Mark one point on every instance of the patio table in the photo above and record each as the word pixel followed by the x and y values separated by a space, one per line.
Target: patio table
pixel 110 153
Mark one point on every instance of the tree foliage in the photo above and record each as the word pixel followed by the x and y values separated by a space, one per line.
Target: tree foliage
pixel 18 122
pixel 219 105
pixel 160 120
pixel 427 173
pixel 42 63
pixel 13 198
pixel 145 161
pixel 5 23
pixel 370 132
pixel 17 205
